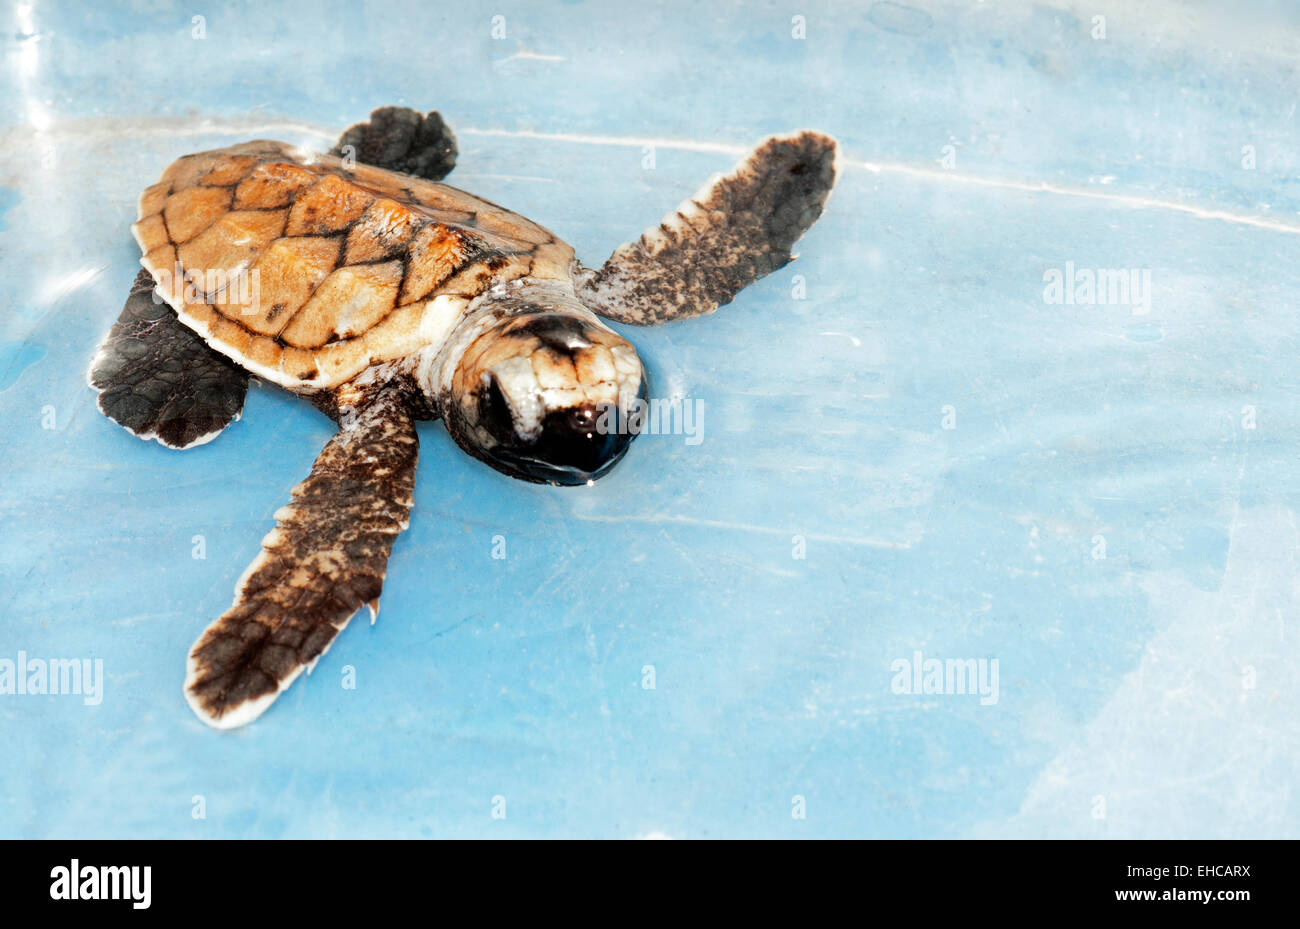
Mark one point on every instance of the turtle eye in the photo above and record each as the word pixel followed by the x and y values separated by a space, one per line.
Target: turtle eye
pixel 544 398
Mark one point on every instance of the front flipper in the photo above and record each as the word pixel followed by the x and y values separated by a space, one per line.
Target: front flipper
pixel 324 560
pixel 160 380
pixel 400 139
pixel 738 228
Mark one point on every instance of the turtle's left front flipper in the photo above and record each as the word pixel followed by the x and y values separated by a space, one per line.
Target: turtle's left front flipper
pixel 160 380
pixel 399 138
pixel 738 228
pixel 324 560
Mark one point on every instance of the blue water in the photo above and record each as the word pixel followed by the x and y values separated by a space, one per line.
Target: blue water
pixel 909 447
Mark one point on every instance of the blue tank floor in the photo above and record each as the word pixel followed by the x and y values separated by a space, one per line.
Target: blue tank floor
pixel 1152 692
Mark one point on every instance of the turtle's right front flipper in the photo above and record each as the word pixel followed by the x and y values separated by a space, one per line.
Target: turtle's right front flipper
pixel 738 228
pixel 324 560
pixel 160 380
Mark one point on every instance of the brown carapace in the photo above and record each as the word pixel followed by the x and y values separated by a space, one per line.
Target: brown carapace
pixel 384 297
pixel 308 270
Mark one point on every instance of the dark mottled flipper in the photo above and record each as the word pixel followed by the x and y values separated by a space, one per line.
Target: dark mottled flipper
pixel 160 380
pixel 738 228
pixel 400 139
pixel 324 560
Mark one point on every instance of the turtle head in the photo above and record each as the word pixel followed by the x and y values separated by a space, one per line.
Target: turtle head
pixel 544 397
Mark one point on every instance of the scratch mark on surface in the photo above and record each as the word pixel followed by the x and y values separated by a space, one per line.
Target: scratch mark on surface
pixel 529 56
pixel 469 175
pixel 742 527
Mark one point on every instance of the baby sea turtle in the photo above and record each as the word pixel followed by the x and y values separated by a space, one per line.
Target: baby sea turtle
pixel 359 282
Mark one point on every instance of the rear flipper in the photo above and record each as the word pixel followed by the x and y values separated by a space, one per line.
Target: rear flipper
pixel 400 139
pixel 738 228
pixel 324 560
pixel 160 380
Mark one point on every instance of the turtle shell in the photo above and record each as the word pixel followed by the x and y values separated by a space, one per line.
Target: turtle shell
pixel 306 271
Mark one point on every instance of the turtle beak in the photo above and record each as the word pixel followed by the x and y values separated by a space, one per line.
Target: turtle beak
pixel 575 445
